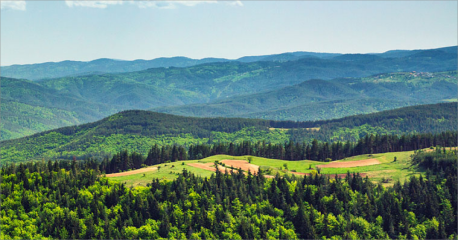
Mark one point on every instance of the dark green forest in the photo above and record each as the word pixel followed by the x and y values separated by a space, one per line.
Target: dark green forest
pixel 137 131
pixel 44 200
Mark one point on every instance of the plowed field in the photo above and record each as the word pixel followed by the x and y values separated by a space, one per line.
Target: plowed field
pixel 141 170
pixel 360 163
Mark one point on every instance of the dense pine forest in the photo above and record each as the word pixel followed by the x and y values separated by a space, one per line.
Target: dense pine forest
pixel 50 200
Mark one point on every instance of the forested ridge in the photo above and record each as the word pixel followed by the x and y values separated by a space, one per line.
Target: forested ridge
pixel 104 65
pixel 139 130
pixel 317 99
pixel 54 200
pixel 300 86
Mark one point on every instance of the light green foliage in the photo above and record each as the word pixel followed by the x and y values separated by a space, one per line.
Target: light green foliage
pixel 56 145
pixel 20 119
pixel 355 133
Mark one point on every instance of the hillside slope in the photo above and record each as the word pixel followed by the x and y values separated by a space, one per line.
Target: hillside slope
pixel 139 130
pixel 94 96
pixel 203 83
pixel 28 107
pixel 319 99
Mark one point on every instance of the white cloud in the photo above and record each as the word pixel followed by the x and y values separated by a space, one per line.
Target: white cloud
pixel 237 3
pixel 191 3
pixel 92 4
pixel 154 4
pixel 168 4
pixel 14 5
pixel 162 4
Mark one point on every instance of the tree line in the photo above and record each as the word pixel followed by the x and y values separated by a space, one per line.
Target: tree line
pixel 43 200
pixel 316 150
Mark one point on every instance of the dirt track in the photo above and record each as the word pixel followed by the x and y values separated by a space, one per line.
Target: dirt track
pixel 141 170
pixel 361 163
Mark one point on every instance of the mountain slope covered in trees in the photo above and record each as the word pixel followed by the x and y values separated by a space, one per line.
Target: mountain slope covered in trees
pixel 28 108
pixel 139 130
pixel 206 82
pixel 320 99
pixel 227 87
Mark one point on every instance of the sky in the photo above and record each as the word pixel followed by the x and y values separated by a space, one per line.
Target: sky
pixel 51 31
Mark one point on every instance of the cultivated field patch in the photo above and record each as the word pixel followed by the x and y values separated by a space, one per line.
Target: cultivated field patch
pixel 207 166
pixel 244 165
pixel 141 170
pixel 360 163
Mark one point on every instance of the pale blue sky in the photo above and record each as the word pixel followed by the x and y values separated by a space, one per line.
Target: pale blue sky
pixel 34 31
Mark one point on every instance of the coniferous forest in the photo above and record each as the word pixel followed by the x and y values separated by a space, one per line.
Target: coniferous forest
pixel 50 200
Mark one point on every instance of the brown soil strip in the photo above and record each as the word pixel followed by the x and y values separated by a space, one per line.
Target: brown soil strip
pixel 360 163
pixel 141 170
pixel 244 165
pixel 207 166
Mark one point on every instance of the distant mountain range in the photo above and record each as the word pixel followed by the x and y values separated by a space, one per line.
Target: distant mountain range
pixel 136 130
pixel 104 65
pixel 320 99
pixel 288 86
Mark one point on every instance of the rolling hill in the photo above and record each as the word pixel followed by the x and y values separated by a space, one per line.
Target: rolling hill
pixel 139 130
pixel 28 108
pixel 320 99
pixel 227 86
pixel 102 65
pixel 159 87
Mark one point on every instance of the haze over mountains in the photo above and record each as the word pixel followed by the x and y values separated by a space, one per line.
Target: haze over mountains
pixel 319 99
pixel 105 65
pixel 290 86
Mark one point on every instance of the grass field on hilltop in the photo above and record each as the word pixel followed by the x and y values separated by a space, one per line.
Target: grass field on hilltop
pixel 388 169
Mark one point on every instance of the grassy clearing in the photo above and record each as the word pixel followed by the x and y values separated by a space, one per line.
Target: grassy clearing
pixel 388 169
pixel 167 171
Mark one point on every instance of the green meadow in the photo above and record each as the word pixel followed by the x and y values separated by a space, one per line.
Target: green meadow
pixel 387 172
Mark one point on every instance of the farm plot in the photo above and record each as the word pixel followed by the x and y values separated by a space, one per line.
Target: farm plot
pixel 141 170
pixel 207 166
pixel 361 163
pixel 244 165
